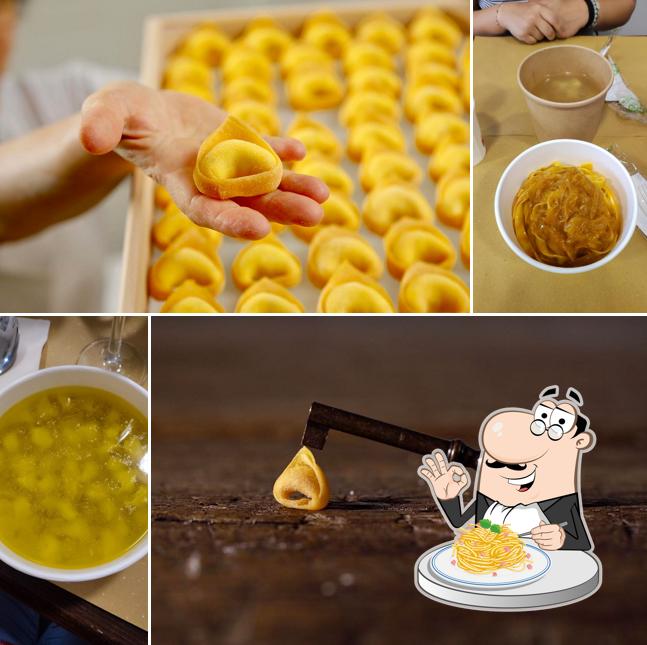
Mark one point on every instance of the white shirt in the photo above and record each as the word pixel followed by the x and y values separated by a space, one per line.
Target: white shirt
pixel 61 268
pixel 521 518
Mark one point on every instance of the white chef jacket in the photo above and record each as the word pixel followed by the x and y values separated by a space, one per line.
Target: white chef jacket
pixel 521 518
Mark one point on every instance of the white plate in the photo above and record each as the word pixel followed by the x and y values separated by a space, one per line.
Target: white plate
pixel 441 565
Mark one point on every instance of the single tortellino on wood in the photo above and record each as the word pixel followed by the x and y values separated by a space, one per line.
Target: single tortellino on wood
pixel 314 89
pixel 260 116
pixel 349 291
pixel 465 243
pixel 302 485
pixel 333 245
pixel 327 32
pixel 434 74
pixel 234 161
pixel 207 44
pixel 453 198
pixel 303 56
pixel 191 298
pixel 332 174
pixel 266 258
pixel 424 52
pixel 265 36
pixel 192 256
pixel 429 289
pixel 318 138
pixel 433 25
pixel 409 241
pixel 241 60
pixel 385 206
pixel 369 106
pixel 338 211
pixel 388 167
pixel 183 70
pixel 436 129
pixel 247 88
pixel 370 137
pixel 428 99
pixel 449 157
pixel 268 297
pixel 375 79
pixel 382 30
pixel 362 54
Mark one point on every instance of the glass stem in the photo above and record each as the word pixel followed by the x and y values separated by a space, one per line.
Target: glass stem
pixel 113 353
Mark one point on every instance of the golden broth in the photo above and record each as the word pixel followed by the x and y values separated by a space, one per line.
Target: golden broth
pixel 566 87
pixel 72 493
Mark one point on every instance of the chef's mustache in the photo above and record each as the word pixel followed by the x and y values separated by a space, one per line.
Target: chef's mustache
pixel 500 464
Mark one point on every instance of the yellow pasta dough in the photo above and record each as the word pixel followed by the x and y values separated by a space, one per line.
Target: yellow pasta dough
pixel 191 298
pixel 234 161
pixel 328 34
pixel 338 211
pixel 369 106
pixel 367 138
pixel 206 44
pixel 260 116
pixel 428 99
pixel 303 56
pixel 350 291
pixel 268 38
pixel 388 167
pixel 302 484
pixel 375 79
pixel 429 289
pixel 192 256
pixel 162 197
pixel 434 25
pixel 266 258
pixel 453 198
pixel 409 241
pixel 360 55
pixel 449 156
pixel 434 74
pixel 268 297
pixel 183 70
pixel 382 30
pixel 465 243
pixel 246 88
pixel 314 89
pixel 172 223
pixel 333 245
pixel 316 137
pixel 424 52
pixel 241 60
pixel 436 129
pixel 385 206
pixel 332 174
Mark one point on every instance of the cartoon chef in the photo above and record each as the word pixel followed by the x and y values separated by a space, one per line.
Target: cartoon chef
pixel 528 476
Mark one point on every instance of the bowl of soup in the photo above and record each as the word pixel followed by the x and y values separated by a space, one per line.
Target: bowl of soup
pixel 565 88
pixel 75 463
pixel 566 206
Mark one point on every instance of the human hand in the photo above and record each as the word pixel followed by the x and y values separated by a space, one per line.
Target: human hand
pixel 529 22
pixel 570 15
pixel 446 481
pixel 549 537
pixel 161 132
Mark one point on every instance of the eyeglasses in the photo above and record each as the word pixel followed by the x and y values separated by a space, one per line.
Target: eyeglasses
pixel 555 431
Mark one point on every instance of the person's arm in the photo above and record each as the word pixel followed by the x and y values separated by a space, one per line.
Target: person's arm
pixel 614 13
pixel 485 22
pixel 47 177
pixel 528 23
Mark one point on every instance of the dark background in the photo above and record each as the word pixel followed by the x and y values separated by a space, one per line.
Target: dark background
pixel 230 398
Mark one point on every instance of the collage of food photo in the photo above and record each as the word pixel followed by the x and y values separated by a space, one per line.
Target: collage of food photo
pixel 323 321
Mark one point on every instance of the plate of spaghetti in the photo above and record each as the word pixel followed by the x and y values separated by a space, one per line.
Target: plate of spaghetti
pixel 490 555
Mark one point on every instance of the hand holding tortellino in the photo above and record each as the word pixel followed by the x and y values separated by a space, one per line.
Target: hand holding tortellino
pixel 427 288
pixel 386 205
pixel 350 291
pixel 234 161
pixel 265 258
pixel 268 297
pixel 191 298
pixel 302 484
pixel 338 211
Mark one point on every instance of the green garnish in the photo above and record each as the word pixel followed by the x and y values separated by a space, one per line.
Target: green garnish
pixel 495 528
pixel 485 524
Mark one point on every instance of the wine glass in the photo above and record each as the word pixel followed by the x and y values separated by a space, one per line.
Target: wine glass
pixel 115 354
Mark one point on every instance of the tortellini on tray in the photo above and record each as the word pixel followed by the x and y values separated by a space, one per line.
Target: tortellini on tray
pixel 241 60
pixel 375 79
pixel 191 298
pixel 431 24
pixel 436 129
pixel 206 44
pixel 184 70
pixel 318 138
pixel 302 485
pixel 338 211
pixel 427 288
pixel 369 106
pixel 382 30
pixel 314 89
pixel 371 136
pixel 327 32
pixel 268 297
pixel 260 116
pixel 388 167
pixel 449 156
pixel 265 36
pixel 247 88
pixel 365 54
pixel 385 206
pixel 331 173
pixel 453 198
pixel 427 99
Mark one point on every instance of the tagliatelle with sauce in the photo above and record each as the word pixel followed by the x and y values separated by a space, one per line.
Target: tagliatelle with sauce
pixel 566 216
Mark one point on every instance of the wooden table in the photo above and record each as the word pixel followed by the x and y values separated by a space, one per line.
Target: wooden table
pixel 232 566
pixel 502 281
pixel 109 610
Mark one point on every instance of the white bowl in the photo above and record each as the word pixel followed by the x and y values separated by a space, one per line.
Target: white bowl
pixel 87 377
pixel 572 152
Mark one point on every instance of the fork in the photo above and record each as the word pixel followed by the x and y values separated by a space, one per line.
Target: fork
pixel 639 182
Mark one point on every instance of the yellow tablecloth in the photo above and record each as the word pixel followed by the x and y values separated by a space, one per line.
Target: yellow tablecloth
pixel 502 281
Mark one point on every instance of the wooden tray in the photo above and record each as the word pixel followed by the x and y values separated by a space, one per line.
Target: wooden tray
pixel 162 34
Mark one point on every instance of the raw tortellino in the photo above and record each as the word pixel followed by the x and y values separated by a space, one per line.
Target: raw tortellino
pixel 333 245
pixel 259 116
pixel 351 291
pixel 303 56
pixel 453 198
pixel 265 36
pixel 316 137
pixel 327 32
pixel 382 30
pixel 363 54
pixel 314 89
pixel 172 223
pixel 162 197
pixel 434 74
pixel 385 206
pixel 191 298
pixel 268 297
pixel 434 130
pixel 427 289
pixel 266 258
pixel 247 88
pixel 206 44
pixel 433 25
pixel 427 99
pixel 424 52
pixel 183 70
pixel 192 256
pixel 241 60
pixel 338 211
pixel 302 484
pixel 409 241
pixel 332 174
pixel 367 138
pixel 449 156
pixel 465 243
pixel 368 106
pixel 234 161
pixel 388 167
pixel 375 79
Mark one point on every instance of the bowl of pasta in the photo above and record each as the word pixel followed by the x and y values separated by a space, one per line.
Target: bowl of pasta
pixel 566 206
